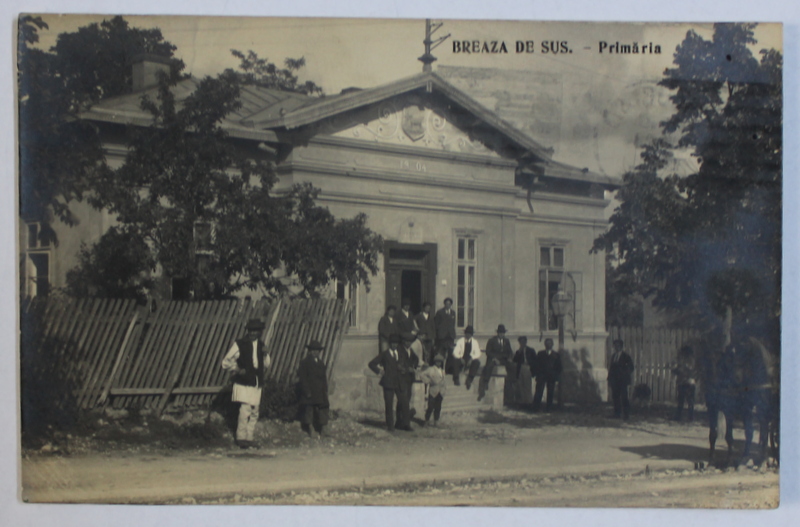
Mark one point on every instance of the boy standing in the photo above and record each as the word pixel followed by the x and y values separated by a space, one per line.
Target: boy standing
pixel 433 376
pixel 313 390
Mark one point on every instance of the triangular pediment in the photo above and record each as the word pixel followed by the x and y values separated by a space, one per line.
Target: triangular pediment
pixel 416 110
pixel 411 120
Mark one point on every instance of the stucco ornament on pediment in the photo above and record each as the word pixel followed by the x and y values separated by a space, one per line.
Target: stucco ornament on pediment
pixel 409 123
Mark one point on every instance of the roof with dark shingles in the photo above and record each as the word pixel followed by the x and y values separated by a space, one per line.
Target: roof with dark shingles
pixel 264 110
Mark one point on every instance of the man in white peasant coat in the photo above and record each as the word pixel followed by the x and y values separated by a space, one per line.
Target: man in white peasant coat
pixel 249 361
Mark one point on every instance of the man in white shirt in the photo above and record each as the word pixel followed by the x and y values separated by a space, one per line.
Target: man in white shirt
pixel 466 355
pixel 248 359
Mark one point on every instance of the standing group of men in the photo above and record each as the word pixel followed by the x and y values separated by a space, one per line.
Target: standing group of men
pixel 404 338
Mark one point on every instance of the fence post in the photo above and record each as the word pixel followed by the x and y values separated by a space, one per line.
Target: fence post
pixel 120 355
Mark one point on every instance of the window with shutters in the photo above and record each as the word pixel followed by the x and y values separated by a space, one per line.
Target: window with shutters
pixel 551 276
pixel 554 275
pixel 38 256
pixel 466 271
pixel 348 291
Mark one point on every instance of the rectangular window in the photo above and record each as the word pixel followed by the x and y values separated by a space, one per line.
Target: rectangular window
pixel 203 237
pixel 551 277
pixel 35 239
pixel 39 284
pixel 348 291
pixel 466 273
pixel 37 267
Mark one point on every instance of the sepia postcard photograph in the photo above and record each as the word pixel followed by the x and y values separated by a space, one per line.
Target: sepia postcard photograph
pixel 423 262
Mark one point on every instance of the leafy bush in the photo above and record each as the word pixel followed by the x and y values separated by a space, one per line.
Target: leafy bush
pixel 280 402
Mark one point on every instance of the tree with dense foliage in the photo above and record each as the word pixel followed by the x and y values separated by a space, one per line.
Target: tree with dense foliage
pixel 60 154
pixel 710 242
pixel 199 206
pixel 209 214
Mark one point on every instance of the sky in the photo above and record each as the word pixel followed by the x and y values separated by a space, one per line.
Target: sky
pixel 594 109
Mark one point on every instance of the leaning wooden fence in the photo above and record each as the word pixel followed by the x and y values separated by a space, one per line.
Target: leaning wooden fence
pixel 654 352
pixel 126 355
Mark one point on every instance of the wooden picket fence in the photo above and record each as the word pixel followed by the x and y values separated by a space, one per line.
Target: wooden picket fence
pixel 654 352
pixel 126 355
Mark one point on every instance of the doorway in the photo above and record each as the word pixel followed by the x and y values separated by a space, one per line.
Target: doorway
pixel 411 288
pixel 410 273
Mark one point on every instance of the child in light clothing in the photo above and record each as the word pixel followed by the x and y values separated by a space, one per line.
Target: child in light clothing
pixel 433 377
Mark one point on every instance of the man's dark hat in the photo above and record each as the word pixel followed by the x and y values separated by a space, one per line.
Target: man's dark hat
pixel 469 330
pixel 438 358
pixel 448 299
pixel 501 328
pixel 394 338
pixel 408 336
pixel 255 324
pixel 315 345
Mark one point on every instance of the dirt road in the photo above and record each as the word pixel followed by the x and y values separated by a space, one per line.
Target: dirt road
pixel 504 459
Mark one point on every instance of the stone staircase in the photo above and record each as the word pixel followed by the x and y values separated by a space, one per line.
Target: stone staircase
pixel 456 399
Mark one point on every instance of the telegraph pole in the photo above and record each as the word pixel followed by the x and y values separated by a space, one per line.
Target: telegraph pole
pixel 427 59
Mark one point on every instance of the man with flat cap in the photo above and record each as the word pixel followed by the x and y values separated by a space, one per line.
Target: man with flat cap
pixel 498 353
pixel 313 379
pixel 393 365
pixel 248 360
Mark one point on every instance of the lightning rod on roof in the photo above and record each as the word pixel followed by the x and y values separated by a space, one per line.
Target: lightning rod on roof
pixel 430 28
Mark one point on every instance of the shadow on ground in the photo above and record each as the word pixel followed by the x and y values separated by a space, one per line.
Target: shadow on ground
pixel 595 416
pixel 669 451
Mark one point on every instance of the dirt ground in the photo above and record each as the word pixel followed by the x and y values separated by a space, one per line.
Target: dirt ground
pixel 574 457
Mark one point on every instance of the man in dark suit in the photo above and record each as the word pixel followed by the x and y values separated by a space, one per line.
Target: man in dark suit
pixel 547 370
pixel 445 322
pixel 394 365
pixel 313 390
pixel 620 372
pixel 498 353
pixel 387 326
pixel 427 331
pixel 405 321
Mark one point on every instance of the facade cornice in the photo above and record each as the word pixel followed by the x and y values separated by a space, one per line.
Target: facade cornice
pixel 384 175
pixel 470 159
pixel 563 198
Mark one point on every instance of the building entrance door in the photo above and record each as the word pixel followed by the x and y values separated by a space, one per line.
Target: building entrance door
pixel 410 273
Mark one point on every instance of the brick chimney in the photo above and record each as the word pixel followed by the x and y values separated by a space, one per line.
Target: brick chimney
pixel 145 68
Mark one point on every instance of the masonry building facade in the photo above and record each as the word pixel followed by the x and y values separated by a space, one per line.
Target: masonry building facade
pixel 470 208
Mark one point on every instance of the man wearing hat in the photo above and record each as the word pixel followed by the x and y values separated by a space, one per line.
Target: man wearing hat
pixel 393 365
pixel 498 352
pixel 313 390
pixel 248 360
pixel 466 355
pixel 412 348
